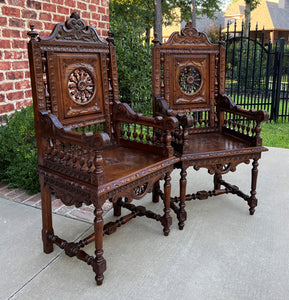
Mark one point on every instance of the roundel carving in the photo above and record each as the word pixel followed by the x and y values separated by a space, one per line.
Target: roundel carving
pixel 81 86
pixel 190 80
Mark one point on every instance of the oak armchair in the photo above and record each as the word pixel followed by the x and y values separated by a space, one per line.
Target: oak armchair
pixel 213 132
pixel 91 147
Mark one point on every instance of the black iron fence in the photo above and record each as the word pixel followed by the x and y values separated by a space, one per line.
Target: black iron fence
pixel 257 72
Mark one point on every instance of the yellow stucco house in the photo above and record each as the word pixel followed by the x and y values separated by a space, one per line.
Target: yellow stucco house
pixel 272 15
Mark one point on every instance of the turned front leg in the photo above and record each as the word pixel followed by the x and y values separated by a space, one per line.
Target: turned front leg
pixel 99 264
pixel 156 189
pixel 47 229
pixel 167 219
pixel 252 202
pixel 182 215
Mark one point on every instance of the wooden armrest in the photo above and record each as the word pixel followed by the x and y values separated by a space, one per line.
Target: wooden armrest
pixel 51 127
pixel 227 104
pixel 123 112
pixel 163 110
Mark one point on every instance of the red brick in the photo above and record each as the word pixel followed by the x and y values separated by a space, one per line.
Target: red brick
pixel 6 86
pixel 57 1
pixel 45 17
pixel 33 4
pixel 14 193
pixel 95 16
pixel 63 10
pixel 11 33
pixel 37 25
pixel 101 10
pixel 27 74
pixel 15 22
pixel 92 7
pixel 15 96
pixel 22 85
pixel 21 198
pixel 16 65
pixel 49 7
pixel 3 21
pixel 104 18
pixel 1 76
pixel 33 200
pixel 28 94
pixel 104 3
pixel 86 15
pixel 101 25
pixel 11 11
pixel 24 103
pixel 6 108
pixel 5 65
pixel 14 75
pixel 104 34
pixel 57 18
pixel 96 2
pixel 6 44
pixel 2 98
pixel 16 2
pixel 82 6
pixel 70 3
pixel 57 203
pixel 29 14
pixel 19 44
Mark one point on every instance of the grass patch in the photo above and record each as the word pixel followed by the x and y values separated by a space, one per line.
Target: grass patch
pixel 275 134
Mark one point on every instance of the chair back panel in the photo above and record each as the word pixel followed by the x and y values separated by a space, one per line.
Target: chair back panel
pixel 70 75
pixel 188 71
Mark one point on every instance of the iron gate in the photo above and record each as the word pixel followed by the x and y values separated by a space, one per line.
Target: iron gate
pixel 257 73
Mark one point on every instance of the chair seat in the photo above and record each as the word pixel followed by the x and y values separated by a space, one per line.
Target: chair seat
pixel 212 144
pixel 128 163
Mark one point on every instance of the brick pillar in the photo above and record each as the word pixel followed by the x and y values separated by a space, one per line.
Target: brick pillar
pixel 15 18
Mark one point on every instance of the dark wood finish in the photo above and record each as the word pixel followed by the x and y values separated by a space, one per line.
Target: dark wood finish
pixel 214 132
pixel 91 147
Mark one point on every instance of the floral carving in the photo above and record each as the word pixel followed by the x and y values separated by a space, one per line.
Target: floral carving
pixel 190 80
pixel 81 86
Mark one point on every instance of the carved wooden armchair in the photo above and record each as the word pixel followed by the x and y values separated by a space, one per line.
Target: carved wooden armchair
pixel 214 132
pixel 91 147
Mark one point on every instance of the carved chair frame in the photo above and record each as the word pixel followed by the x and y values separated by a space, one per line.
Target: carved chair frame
pixel 78 120
pixel 189 83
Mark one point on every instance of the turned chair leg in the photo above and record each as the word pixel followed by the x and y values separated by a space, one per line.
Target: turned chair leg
pixel 252 202
pixel 99 263
pixel 156 189
pixel 47 229
pixel 116 209
pixel 167 219
pixel 217 178
pixel 182 215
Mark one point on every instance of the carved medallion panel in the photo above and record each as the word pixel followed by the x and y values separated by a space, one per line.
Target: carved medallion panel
pixel 77 82
pixel 190 81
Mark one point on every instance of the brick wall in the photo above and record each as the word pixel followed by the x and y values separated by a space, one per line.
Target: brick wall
pixel 15 17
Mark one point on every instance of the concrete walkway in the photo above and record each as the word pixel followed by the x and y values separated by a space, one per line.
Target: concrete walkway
pixel 222 253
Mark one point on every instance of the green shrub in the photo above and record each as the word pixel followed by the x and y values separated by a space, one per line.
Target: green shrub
pixel 18 152
pixel 133 62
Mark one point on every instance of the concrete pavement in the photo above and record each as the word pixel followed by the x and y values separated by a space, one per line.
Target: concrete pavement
pixel 222 253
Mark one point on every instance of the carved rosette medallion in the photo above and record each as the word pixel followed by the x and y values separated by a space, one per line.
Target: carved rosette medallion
pixel 190 80
pixel 81 86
